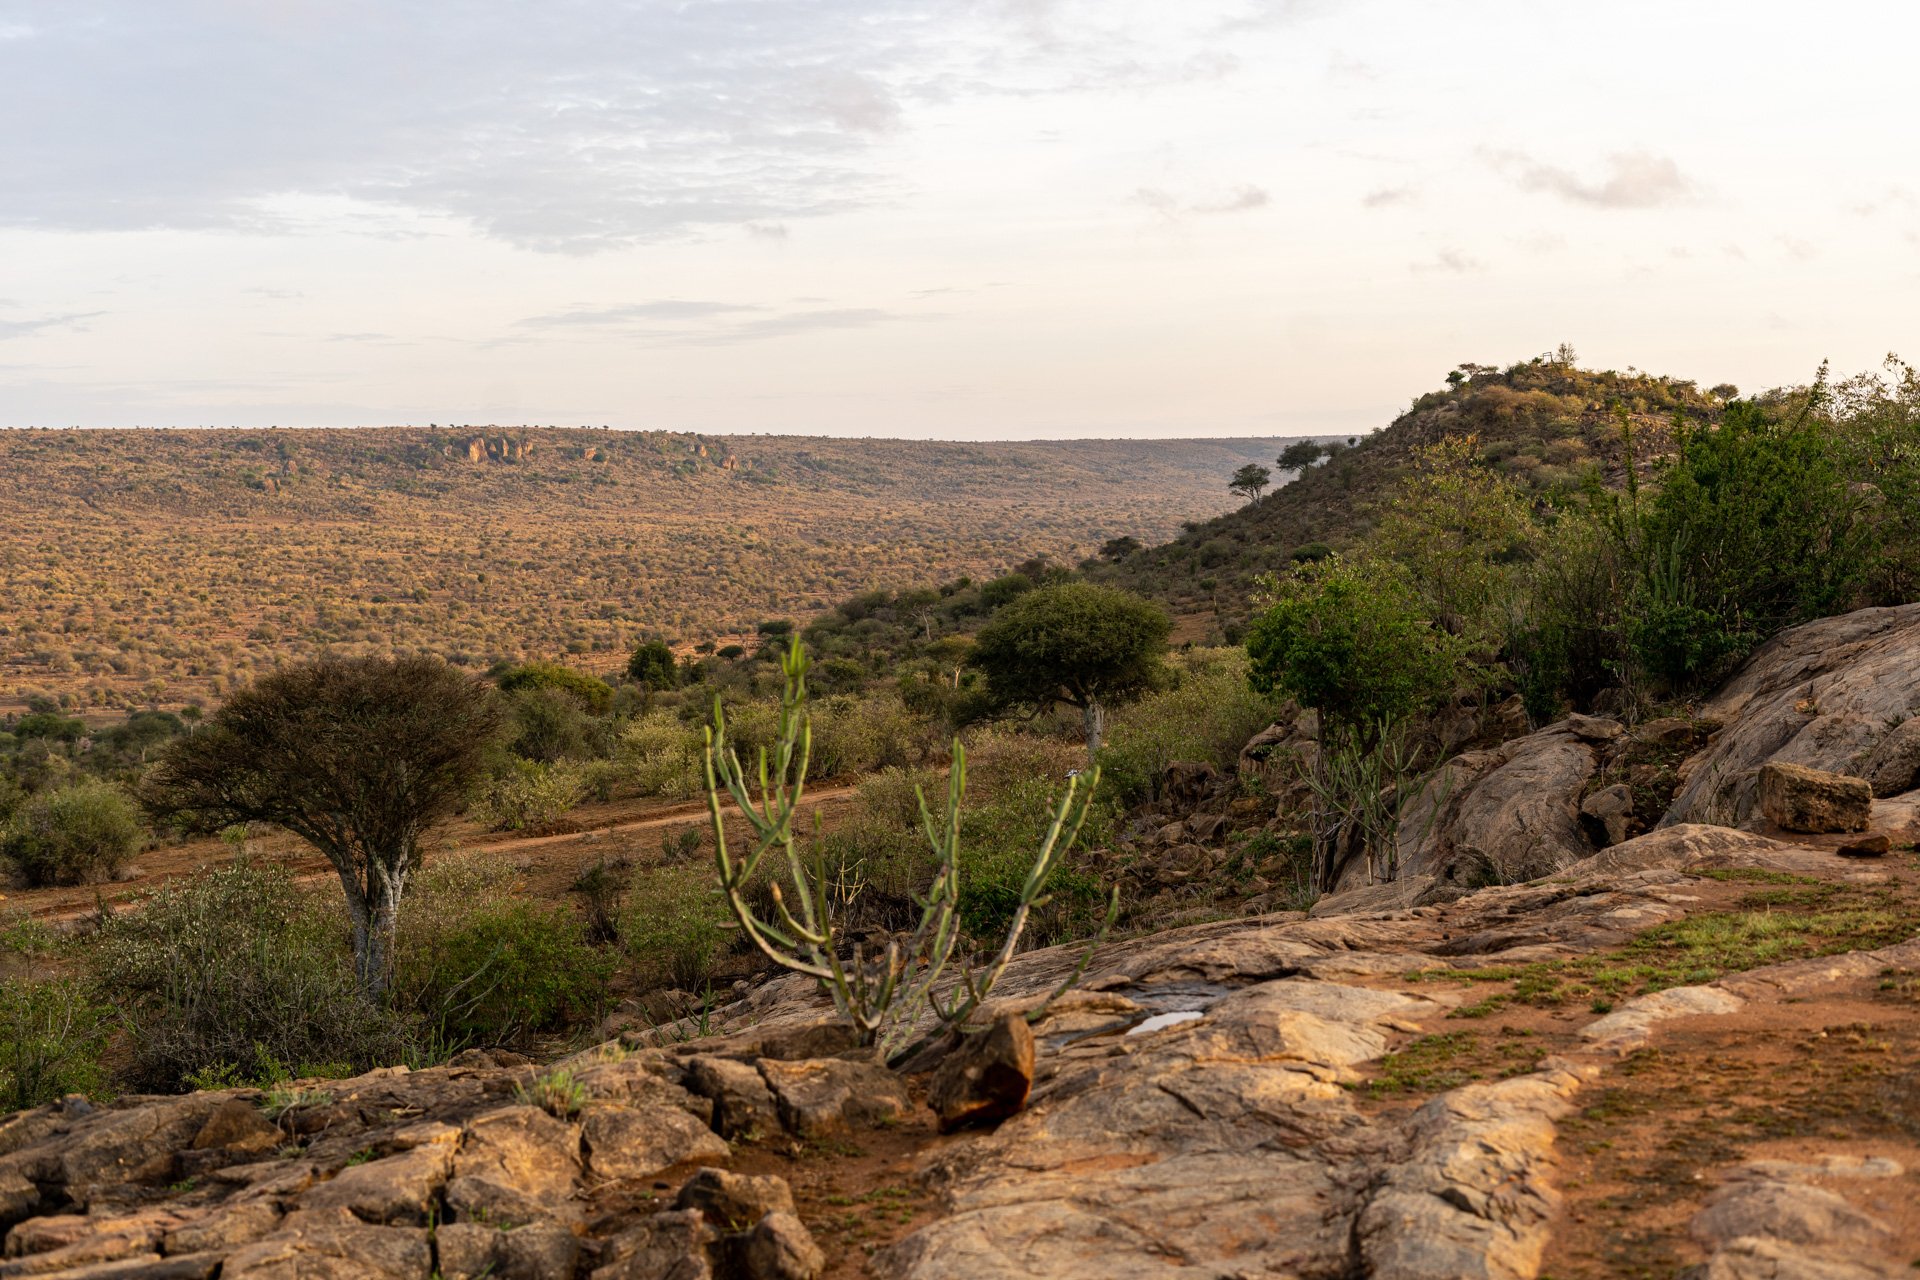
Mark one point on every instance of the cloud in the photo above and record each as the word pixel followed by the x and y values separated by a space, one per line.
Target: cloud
pixel 1451 260
pixel 1171 208
pixel 798 322
pixel 1243 199
pixel 554 125
pixel 25 328
pixel 627 313
pixel 1385 196
pixel 1633 180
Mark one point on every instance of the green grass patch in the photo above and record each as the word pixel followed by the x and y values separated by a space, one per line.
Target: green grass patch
pixel 1772 926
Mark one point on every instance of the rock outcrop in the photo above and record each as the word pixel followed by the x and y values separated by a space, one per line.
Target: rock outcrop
pixel 1836 695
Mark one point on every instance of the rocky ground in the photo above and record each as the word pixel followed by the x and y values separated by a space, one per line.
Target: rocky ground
pixel 1686 1051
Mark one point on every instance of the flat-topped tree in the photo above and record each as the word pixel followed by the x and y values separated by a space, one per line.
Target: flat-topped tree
pixel 359 757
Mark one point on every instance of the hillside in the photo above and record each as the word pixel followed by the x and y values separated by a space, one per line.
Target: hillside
pixel 1549 424
pixel 171 565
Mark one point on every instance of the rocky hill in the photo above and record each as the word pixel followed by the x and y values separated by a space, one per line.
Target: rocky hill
pixel 1550 1046
pixel 1547 423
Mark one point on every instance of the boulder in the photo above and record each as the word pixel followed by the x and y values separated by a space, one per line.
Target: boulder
pixel 399 1189
pixel 779 1248
pixel 1518 805
pixel 622 1142
pixel 1825 695
pixel 1595 729
pixel 743 1107
pixel 1796 798
pixel 817 1097
pixel 1606 813
pixel 665 1246
pixel 1185 783
pixel 1892 767
pixel 478 1251
pixel 986 1078
pixel 734 1201
pixel 322 1247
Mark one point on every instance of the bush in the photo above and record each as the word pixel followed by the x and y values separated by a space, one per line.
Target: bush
pixel 80 833
pixel 1755 527
pixel 593 694
pixel 998 837
pixel 546 725
pixel 477 963
pixel 1351 639
pixel 528 794
pixel 1207 716
pixel 675 927
pixel 664 756
pixel 235 968
pixel 53 1029
pixel 857 735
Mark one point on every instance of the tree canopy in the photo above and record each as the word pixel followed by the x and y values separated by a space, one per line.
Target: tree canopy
pixel 1075 644
pixel 1350 639
pixel 652 666
pixel 1250 480
pixel 359 757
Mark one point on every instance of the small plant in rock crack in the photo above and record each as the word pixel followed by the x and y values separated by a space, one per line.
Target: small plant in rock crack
pixel 556 1092
pixel 883 994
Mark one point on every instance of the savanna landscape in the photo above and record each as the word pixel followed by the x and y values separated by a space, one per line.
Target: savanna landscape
pixel 1380 823
pixel 889 640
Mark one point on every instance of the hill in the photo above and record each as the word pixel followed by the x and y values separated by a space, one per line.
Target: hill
pixel 170 565
pixel 1549 424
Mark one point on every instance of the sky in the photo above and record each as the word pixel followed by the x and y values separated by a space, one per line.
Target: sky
pixel 976 219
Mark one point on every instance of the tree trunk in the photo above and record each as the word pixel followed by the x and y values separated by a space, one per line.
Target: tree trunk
pixel 1095 718
pixel 375 915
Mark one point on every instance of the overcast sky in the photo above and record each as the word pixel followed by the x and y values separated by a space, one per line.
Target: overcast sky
pixel 966 219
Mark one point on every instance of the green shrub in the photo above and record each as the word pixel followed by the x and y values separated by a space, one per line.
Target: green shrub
pixel 857 735
pixel 1208 716
pixel 235 966
pixel 663 756
pixel 83 832
pixel 675 926
pixel 478 963
pixel 528 794
pixel 53 1029
pixel 998 837
pixel 1352 640
pixel 547 725
pixel 593 694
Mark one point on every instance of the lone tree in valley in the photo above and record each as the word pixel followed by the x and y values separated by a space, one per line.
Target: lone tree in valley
pixel 1250 480
pixel 1074 644
pixel 358 757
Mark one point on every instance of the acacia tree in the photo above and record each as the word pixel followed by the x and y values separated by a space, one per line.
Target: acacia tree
pixel 359 757
pixel 1250 480
pixel 1075 644
pixel 1300 455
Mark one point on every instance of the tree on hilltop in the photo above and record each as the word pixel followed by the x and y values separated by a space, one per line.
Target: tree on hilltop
pixel 360 758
